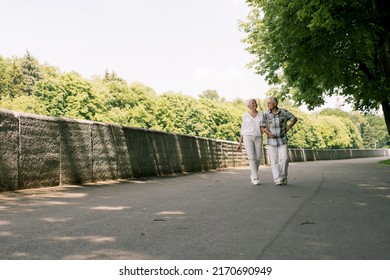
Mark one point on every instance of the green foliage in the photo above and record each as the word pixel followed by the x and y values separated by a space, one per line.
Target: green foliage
pixel 11 78
pixel 68 95
pixel 238 102
pixel 24 103
pixel 332 132
pixel 315 48
pixel 385 162
pixel 224 119
pixel 374 132
pixel 304 134
pixel 200 117
pixel 31 73
pixel 350 129
pixel 210 94
pixel 111 99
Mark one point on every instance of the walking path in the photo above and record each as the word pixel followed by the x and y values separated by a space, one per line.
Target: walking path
pixel 330 210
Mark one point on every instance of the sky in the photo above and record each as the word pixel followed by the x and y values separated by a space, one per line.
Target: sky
pixel 186 46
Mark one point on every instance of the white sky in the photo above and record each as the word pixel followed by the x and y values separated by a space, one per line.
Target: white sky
pixel 186 46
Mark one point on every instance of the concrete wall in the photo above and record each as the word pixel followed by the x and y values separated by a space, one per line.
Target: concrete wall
pixel 39 151
pixel 311 155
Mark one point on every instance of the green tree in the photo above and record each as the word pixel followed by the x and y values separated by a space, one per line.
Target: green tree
pixel 238 102
pixel 374 132
pixel 24 103
pixel 111 99
pixel 351 128
pixel 223 119
pixel 334 112
pixel 11 78
pixel 323 48
pixel 4 77
pixel 130 105
pixel 120 94
pixel 68 95
pixel 31 73
pixel 182 114
pixel 303 134
pixel 211 94
pixel 369 137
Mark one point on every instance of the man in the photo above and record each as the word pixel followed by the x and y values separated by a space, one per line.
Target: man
pixel 274 125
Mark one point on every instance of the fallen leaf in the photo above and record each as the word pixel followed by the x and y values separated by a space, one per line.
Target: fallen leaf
pixel 307 223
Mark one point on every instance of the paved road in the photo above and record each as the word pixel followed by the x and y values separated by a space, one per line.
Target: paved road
pixel 330 210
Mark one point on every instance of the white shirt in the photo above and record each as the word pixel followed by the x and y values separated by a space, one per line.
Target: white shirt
pixel 250 126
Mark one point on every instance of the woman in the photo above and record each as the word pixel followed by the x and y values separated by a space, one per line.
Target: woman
pixel 252 138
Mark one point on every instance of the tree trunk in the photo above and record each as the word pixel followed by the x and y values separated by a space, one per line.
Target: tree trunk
pixel 386 113
pixel 383 10
pixel 386 63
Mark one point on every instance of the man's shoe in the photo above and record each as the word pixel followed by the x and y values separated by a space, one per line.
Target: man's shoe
pixel 279 182
pixel 284 181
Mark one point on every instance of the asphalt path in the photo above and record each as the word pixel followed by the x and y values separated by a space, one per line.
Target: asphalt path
pixel 329 210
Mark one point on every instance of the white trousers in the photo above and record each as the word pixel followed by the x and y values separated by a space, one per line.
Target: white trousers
pixel 279 161
pixel 253 146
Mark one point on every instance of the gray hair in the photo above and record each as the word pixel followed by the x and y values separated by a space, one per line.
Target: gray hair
pixel 273 99
pixel 249 101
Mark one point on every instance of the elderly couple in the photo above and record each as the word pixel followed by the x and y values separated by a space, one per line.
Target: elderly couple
pixel 272 122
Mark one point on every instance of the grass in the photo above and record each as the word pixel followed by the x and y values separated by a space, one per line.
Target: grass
pixel 385 162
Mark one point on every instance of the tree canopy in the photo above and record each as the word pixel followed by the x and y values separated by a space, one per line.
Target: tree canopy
pixel 43 89
pixel 317 48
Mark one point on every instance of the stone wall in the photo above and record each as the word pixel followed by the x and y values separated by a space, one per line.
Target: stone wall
pixel 39 151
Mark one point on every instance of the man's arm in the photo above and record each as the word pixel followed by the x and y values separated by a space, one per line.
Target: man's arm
pixel 291 124
pixel 266 131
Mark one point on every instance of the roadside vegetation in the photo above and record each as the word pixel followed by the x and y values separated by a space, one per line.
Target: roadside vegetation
pixel 385 162
pixel 26 85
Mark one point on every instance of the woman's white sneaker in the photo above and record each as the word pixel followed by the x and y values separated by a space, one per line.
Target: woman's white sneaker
pixel 254 181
